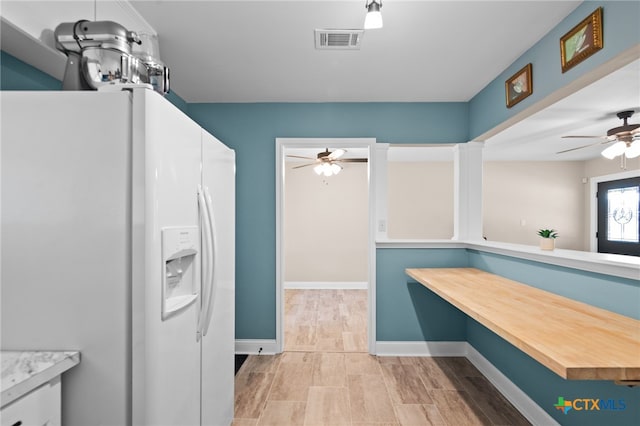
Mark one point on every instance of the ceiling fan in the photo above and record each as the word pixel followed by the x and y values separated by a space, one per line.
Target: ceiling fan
pixel 626 138
pixel 326 162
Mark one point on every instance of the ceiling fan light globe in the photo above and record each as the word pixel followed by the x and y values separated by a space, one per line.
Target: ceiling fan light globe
pixel 614 150
pixel 633 150
pixel 318 169
pixel 335 169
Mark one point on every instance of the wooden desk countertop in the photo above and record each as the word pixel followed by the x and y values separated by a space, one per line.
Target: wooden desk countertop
pixel 575 340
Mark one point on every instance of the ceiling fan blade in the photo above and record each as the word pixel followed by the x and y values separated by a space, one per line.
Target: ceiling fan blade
pixel 583 137
pixel 304 165
pixel 299 156
pixel 352 160
pixel 337 154
pixel 584 146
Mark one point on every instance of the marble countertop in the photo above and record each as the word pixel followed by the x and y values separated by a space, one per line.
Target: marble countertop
pixel 23 371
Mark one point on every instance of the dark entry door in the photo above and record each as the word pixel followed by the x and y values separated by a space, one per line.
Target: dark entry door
pixel 618 221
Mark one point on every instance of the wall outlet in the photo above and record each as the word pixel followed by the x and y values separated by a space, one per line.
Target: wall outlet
pixel 382 226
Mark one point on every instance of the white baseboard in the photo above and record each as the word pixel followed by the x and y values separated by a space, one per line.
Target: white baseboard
pixel 421 348
pixel 527 406
pixel 326 285
pixel 256 346
pixel 520 400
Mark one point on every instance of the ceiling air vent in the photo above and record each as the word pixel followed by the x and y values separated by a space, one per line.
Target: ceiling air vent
pixel 338 39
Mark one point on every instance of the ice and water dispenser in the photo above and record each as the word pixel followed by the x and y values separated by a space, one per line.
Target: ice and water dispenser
pixel 179 285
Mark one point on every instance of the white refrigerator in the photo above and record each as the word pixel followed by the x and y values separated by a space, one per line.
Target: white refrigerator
pixel 118 229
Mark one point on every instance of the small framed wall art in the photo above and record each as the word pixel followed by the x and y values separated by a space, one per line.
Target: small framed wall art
pixel 519 86
pixel 582 41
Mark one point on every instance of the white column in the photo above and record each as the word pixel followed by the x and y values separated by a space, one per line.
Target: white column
pixel 467 182
pixel 381 220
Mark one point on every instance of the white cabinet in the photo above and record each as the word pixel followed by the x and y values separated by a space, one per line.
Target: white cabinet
pixel 30 386
pixel 39 407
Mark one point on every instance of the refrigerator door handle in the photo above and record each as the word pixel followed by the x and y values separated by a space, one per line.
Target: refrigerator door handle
pixel 213 262
pixel 207 249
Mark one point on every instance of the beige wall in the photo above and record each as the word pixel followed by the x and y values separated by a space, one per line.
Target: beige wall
pixel 543 194
pixel 326 225
pixel 420 200
pixel 602 167
pixel 519 198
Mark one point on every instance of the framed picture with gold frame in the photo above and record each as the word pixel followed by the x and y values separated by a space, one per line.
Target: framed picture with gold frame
pixel 582 41
pixel 519 86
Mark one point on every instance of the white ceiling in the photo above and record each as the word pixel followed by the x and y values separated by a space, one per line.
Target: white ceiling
pixel 263 51
pixel 428 51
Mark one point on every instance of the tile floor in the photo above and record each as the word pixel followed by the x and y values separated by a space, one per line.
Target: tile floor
pixel 330 384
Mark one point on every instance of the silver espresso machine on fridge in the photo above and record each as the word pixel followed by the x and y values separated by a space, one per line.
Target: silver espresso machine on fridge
pixel 104 53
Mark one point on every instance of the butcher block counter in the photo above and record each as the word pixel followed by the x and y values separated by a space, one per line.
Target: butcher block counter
pixel 575 340
pixel 31 385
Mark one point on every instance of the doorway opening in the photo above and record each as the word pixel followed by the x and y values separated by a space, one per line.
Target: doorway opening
pixel 325 273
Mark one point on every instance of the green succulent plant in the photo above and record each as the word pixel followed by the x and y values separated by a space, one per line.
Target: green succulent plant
pixel 548 233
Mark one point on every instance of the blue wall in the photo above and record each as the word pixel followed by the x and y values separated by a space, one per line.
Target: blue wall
pixel 408 311
pixel 404 310
pixel 620 32
pixel 251 129
pixel 615 294
pixel 543 386
pixel 17 75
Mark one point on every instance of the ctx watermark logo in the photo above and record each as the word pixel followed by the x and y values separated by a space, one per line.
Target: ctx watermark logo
pixel 589 404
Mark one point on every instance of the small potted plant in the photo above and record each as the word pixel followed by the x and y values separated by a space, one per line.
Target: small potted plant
pixel 547 238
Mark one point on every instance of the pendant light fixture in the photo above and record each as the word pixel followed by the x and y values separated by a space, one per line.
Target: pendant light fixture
pixel 373 19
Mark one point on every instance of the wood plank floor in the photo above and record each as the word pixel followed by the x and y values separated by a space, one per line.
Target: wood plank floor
pixel 329 384
pixel 325 320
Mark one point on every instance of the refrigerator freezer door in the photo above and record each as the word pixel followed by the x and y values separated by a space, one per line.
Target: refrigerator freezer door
pixel 218 345
pixel 166 353
pixel 66 199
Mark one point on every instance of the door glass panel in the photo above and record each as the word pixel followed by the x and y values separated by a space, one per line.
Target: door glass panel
pixel 622 220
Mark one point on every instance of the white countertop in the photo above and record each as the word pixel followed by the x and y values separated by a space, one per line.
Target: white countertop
pixel 23 371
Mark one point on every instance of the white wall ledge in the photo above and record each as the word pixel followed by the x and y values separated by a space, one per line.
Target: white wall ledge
pixel 396 243
pixel 602 263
